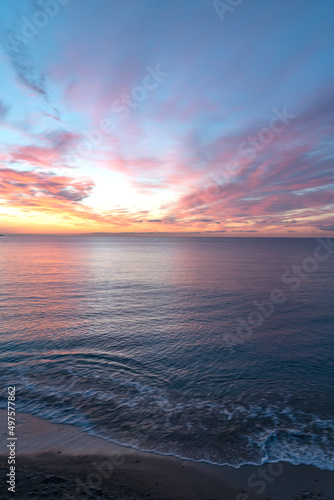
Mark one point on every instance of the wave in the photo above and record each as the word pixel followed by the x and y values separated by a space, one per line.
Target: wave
pixel 149 418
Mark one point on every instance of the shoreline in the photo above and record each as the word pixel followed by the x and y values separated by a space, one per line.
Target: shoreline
pixel 62 461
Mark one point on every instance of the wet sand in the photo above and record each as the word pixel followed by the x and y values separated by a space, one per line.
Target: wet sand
pixel 61 462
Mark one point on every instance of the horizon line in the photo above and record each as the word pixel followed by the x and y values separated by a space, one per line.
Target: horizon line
pixel 161 234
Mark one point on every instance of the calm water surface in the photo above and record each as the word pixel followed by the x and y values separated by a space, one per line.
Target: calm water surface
pixel 136 340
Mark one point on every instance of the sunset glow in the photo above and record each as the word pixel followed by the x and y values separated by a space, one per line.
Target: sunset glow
pixel 162 117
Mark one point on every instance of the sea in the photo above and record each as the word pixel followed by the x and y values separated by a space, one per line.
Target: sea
pixel 210 349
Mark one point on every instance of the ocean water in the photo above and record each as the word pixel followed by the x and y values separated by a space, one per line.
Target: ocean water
pixel 136 340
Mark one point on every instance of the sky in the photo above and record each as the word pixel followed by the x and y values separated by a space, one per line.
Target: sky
pixel 168 117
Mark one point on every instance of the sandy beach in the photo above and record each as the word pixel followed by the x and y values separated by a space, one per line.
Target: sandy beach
pixel 61 462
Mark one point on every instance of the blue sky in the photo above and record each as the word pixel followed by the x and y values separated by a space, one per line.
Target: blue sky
pixel 117 113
